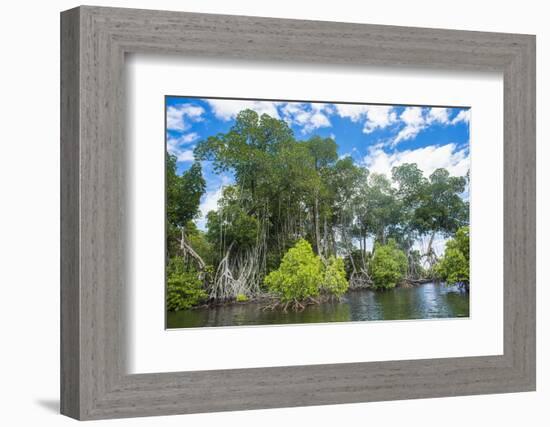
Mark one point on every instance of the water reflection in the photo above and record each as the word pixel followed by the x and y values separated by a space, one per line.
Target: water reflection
pixel 421 302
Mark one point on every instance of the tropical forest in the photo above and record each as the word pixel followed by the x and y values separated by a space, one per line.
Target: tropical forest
pixel 303 233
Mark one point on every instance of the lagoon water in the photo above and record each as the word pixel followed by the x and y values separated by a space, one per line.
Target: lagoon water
pixel 428 301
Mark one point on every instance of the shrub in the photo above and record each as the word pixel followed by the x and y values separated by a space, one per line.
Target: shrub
pixel 334 279
pixel 241 298
pixel 299 276
pixel 454 267
pixel 184 288
pixel 388 265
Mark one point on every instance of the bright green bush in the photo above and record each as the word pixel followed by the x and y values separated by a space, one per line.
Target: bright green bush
pixel 241 298
pixel 334 279
pixel 388 265
pixel 184 288
pixel 454 267
pixel 299 276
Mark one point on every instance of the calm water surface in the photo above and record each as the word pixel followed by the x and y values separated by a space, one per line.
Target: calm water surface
pixel 426 301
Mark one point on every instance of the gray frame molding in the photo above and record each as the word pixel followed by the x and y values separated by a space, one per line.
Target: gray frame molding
pixel 94 41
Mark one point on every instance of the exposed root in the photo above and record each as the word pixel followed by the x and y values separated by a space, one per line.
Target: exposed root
pixel 237 274
pixel 294 305
pixel 360 279
pixel 187 250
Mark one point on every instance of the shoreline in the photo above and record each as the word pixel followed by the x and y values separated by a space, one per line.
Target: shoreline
pixel 427 301
pixel 270 299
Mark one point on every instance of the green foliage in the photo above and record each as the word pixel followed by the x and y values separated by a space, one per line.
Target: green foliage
pixel 248 149
pixel 454 267
pixel 324 151
pixel 388 265
pixel 462 239
pixel 416 270
pixel 197 239
pixel 377 207
pixel 302 274
pixel 356 258
pixel 241 298
pixel 299 275
pixel 277 178
pixel 184 288
pixel 411 190
pixel 173 236
pixel 342 181
pixel 194 237
pixel 441 208
pixel 231 223
pixel 183 192
pixel 293 201
pixel 334 278
pixel 411 183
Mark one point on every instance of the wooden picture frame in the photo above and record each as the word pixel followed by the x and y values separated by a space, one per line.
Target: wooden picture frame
pixel 94 382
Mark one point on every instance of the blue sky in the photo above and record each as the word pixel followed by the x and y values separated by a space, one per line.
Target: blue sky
pixel 376 136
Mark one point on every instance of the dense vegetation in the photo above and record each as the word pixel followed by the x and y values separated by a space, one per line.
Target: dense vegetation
pixel 297 222
pixel 388 265
pixel 454 267
pixel 302 276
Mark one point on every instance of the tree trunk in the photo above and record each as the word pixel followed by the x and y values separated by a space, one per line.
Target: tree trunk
pixel 325 236
pixel 430 255
pixel 430 243
pixel 334 248
pixel 316 224
pixel 188 250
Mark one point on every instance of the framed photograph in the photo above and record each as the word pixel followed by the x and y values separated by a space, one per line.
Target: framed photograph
pixel 262 213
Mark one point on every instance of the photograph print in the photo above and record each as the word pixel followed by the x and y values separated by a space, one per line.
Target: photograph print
pixel 296 212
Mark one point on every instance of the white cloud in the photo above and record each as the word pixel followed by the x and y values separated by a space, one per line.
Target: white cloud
pixel 308 116
pixel 416 119
pixel 209 201
pixel 188 138
pixel 177 116
pixel 438 115
pixel 353 112
pixel 379 117
pixel 177 147
pixel 428 159
pixel 414 122
pixel 182 155
pixel 462 116
pixel 227 109
pixel 186 156
pixel 375 116
pixel 183 139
